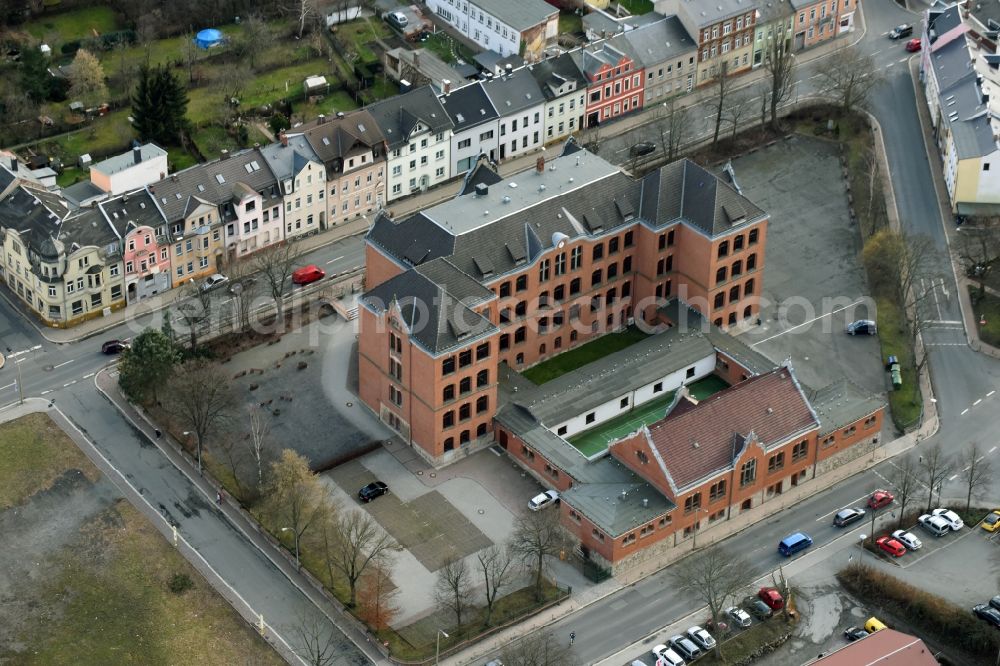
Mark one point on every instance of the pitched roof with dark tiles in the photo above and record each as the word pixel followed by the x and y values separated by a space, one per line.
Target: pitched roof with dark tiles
pixel 128 211
pixel 338 138
pixel 552 74
pixel 398 115
pixel 700 442
pixel 468 106
pixel 515 92
pixel 656 43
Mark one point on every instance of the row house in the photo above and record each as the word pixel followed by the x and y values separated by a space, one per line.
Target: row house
pixel 145 248
pixel 774 22
pixel 417 133
pixel 723 30
pixel 566 251
pixel 565 91
pixel 301 177
pixel 476 126
pixel 818 21
pixel 667 55
pixel 64 265
pixel 615 82
pixel 523 28
pixel 353 151
pixel 520 104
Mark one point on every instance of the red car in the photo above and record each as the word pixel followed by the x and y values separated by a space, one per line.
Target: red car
pixel 771 597
pixel 880 498
pixel 891 546
pixel 913 45
pixel 308 274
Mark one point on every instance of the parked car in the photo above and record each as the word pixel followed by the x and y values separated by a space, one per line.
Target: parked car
pixel 854 633
pixel 702 638
pixel 862 327
pixel 548 498
pixel 913 45
pixel 845 517
pixel 987 613
pixel 794 543
pixel 954 522
pixel 874 624
pixel 900 31
pixel 397 19
pixel 738 616
pixel 213 281
pixel 757 608
pixel 995 602
pixel 891 546
pixel 373 490
pixel 880 498
pixel 908 539
pixel 666 656
pixel 992 521
pixel 643 148
pixel 936 525
pixel 685 647
pixel 771 597
pixel 114 346
pixel 308 274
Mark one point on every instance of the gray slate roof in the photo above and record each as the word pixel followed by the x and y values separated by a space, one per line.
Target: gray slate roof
pixel 518 14
pixel 34 214
pixel 620 502
pixel 335 139
pixel 126 212
pixel 81 193
pixel 87 227
pixel 842 403
pixel 553 74
pixel 514 93
pixel 685 318
pixel 961 101
pixel 468 106
pixel 706 12
pixel 212 182
pixel 943 21
pixel 287 161
pixel 656 43
pixel 397 116
pixel 435 300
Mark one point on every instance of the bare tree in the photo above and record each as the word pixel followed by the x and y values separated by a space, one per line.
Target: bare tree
pixel 453 588
pixel 715 576
pixel 976 471
pixel 305 10
pixel 190 50
pixel 353 543
pixel 763 91
pixel 536 536
pixel 296 499
pixel 375 596
pixel 200 395
pixel 978 248
pixel 721 90
pixel 275 264
pixel 255 37
pixel 315 639
pixel 936 467
pixel 905 479
pixel 86 76
pixel 779 62
pixel 258 439
pixel 738 109
pixel 673 124
pixel 850 75
pixel 496 566
pixel 241 281
pixel 194 308
pixel 540 648
pixel 235 456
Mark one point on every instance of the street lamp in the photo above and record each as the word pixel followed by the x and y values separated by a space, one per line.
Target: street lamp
pixel 17 368
pixel 187 433
pixel 289 529
pixel 861 546
pixel 437 652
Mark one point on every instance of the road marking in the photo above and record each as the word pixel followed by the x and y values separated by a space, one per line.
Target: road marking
pixel 902 60
pixel 990 393
pixel 992 450
pixel 69 383
pixel 8 386
pixel 946 322
pixel 977 402
pixel 24 351
pixel 846 506
pixel 45 392
pixel 953 477
pixel 342 256
pixel 880 50
pixel 806 323
pixel 964 411
pixel 90 375
pixel 64 363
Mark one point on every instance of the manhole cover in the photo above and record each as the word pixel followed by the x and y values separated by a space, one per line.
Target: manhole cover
pixel 482 511
pixel 433 475
pixel 350 404
pixel 420 473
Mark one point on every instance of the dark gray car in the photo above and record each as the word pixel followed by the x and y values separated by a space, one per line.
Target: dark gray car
pixel 685 646
pixel 845 517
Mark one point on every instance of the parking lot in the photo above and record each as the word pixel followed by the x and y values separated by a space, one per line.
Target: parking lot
pixel 814 284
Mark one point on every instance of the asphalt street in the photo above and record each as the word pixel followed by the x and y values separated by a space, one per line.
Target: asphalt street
pixel 964 383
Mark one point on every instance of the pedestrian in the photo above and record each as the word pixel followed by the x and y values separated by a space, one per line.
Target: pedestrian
pixel 157 432
pixel 572 637
pixel 218 498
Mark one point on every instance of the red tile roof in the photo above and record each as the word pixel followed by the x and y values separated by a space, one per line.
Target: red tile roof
pixel 695 442
pixel 883 648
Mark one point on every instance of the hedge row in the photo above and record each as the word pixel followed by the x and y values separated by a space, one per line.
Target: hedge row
pixel 949 623
pixel 104 42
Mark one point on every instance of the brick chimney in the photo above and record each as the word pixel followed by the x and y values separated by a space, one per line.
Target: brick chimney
pixel 284 139
pixel 137 155
pixel 540 164
pixel 321 119
pixel 447 86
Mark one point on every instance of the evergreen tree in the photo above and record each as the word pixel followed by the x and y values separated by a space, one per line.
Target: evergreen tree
pixel 159 105
pixel 147 364
pixel 36 82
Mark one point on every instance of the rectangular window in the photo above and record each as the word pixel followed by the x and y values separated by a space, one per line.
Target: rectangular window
pixel 800 451
pixel 776 462
pixel 748 473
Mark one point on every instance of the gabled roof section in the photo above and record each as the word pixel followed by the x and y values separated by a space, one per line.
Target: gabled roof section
pixel 409 237
pixel 520 15
pixel 699 442
pixel 619 500
pixel 399 115
pixel 468 106
pixel 943 22
pixel 135 208
pixel 484 172
pixel 514 93
pixel 656 43
pixel 338 138
pixel 842 403
pixel 557 74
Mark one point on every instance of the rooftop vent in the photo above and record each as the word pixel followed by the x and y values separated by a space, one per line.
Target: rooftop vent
pixel 482 189
pixel 506 200
pixel 770 411
pixel 645 502
pixel 695 445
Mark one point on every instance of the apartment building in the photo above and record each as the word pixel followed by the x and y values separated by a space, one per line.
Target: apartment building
pixel 476 122
pixel 534 264
pixel 353 151
pixel 145 248
pixel 417 133
pixel 565 91
pixel 301 177
pixel 774 22
pixel 130 171
pixel 64 265
pixel 816 21
pixel 723 30
pixel 667 55
pixel 522 28
pixel 614 82
pixel 520 104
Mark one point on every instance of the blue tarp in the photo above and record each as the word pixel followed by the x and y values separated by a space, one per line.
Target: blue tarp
pixel 208 38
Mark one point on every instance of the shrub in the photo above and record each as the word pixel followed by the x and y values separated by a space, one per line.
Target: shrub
pixel 180 583
pixel 952 624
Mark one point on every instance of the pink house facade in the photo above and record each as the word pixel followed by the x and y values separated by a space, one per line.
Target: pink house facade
pixel 141 230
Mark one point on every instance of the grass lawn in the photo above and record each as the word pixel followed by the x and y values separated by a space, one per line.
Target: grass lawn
pixel 742 646
pixel 212 139
pixel 382 88
pixel 904 403
pixel 360 35
pixel 442 44
pixel 340 100
pixel 105 136
pixel 57 29
pixel 33 452
pixel 989 307
pixel 71 175
pixel 179 159
pixel 637 6
pixel 570 23
pixel 584 354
